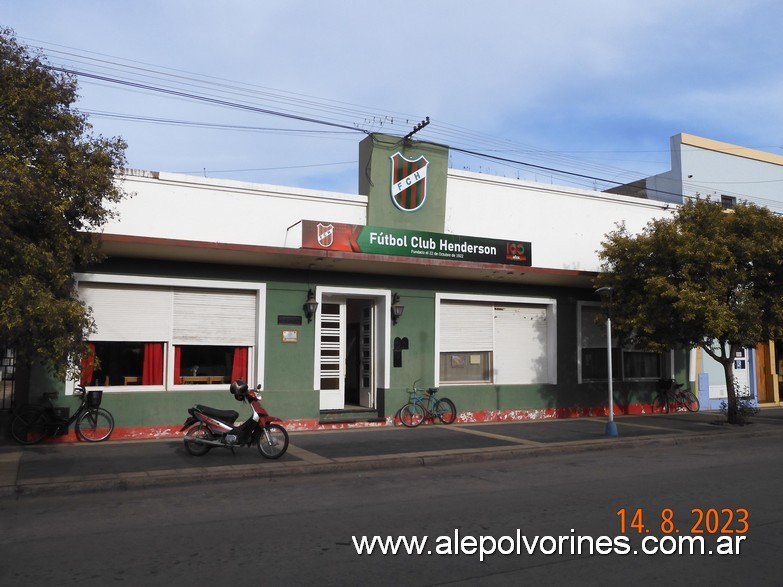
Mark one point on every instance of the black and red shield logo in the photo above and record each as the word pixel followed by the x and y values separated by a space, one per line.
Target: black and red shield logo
pixel 408 182
pixel 325 235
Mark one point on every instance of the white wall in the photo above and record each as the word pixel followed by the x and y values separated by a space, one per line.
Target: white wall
pixel 710 168
pixel 564 225
pixel 712 173
pixel 167 205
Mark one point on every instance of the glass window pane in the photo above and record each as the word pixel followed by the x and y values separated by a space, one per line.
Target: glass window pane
pixel 595 362
pixel 641 365
pixel 467 367
pixel 204 364
pixel 118 363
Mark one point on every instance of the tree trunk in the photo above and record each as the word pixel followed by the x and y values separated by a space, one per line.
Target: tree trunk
pixel 732 413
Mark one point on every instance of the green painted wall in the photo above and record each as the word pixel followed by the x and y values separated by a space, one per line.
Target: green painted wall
pixel 288 378
pixel 418 360
pixel 288 383
pixel 375 168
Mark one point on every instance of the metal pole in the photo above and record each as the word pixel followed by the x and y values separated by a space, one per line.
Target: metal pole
pixel 611 427
pixel 606 293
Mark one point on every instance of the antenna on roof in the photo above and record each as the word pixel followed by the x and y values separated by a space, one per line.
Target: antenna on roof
pixel 417 128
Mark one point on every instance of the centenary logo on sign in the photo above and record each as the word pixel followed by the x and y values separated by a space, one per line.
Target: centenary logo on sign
pixel 325 235
pixel 408 182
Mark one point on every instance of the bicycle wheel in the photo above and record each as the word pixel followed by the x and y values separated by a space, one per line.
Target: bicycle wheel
pixel 30 425
pixel 95 425
pixel 273 441
pixel 660 405
pixel 691 401
pixel 195 448
pixel 445 410
pixel 411 414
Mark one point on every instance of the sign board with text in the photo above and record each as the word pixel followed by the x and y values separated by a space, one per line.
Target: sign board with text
pixel 377 240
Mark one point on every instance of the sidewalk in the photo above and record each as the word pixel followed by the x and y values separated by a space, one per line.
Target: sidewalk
pixel 76 467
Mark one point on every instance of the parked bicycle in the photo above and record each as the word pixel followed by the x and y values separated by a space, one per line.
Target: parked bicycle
pixel 424 404
pixel 673 396
pixel 33 422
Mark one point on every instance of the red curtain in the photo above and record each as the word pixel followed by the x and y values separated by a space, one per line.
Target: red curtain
pixel 88 364
pixel 239 370
pixel 152 370
pixel 177 363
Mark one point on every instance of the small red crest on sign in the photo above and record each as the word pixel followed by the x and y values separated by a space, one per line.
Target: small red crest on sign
pixel 325 235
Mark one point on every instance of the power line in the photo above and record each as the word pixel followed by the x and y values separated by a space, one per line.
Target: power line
pixel 212 125
pixel 212 171
pixel 201 98
pixel 361 118
pixel 348 117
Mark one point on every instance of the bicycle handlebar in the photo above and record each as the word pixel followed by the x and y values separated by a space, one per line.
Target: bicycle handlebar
pixel 429 390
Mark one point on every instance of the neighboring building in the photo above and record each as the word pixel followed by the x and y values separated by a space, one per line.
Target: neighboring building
pixel 727 174
pixel 206 281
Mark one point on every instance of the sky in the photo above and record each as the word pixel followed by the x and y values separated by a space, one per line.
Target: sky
pixel 281 92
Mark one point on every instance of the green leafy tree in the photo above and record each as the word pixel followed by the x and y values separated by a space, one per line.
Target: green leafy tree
pixel 57 187
pixel 705 277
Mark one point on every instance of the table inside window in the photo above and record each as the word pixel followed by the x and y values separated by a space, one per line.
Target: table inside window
pixel 208 379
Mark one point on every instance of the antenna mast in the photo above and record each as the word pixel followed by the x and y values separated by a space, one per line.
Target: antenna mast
pixel 417 128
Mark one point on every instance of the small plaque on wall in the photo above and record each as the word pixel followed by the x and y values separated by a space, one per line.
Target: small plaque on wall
pixel 290 336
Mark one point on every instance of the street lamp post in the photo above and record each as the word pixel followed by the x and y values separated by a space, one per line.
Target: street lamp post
pixel 606 293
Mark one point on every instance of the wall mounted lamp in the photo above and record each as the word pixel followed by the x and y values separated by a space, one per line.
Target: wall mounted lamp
pixel 310 306
pixel 396 308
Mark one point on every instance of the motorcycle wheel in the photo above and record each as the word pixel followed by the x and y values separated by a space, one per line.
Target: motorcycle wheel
pixel 194 448
pixel 273 442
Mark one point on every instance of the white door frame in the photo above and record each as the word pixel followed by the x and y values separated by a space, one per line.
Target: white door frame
pixel 366 381
pixel 382 359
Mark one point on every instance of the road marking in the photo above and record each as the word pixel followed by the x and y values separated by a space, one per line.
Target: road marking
pixel 307 456
pixel 625 422
pixel 510 439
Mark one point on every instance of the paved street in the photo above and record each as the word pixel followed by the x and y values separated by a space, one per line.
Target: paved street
pixel 75 467
pixel 300 530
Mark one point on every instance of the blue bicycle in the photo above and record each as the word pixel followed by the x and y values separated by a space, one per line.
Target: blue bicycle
pixel 424 404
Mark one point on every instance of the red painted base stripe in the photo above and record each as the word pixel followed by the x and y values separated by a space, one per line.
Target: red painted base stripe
pixel 310 424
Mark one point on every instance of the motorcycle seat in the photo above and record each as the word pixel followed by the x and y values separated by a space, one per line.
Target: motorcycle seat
pixel 225 415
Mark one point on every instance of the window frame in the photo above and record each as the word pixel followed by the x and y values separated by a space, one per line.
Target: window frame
pixel 618 355
pixel 551 344
pixel 256 353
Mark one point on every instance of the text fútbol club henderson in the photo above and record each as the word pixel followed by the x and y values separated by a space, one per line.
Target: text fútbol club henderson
pixel 376 240
pixel 429 244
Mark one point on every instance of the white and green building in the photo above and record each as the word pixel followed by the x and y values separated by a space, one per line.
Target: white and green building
pixel 208 280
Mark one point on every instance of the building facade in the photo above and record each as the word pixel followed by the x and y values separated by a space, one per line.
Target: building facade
pixel 727 174
pixel 299 291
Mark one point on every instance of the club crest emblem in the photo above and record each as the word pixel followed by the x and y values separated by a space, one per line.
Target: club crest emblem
pixel 408 182
pixel 325 235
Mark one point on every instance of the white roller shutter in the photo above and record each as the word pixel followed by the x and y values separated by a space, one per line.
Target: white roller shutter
pixel 521 344
pixel 214 317
pixel 128 313
pixel 465 327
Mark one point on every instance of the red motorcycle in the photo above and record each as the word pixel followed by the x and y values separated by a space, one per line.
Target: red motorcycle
pixel 210 427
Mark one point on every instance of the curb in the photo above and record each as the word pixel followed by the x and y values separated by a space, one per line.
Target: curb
pixel 188 476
